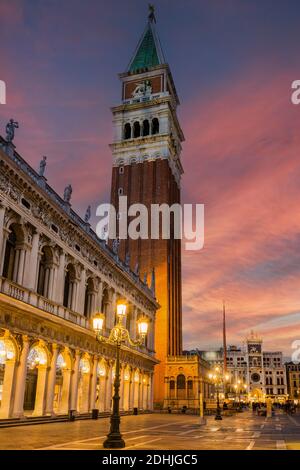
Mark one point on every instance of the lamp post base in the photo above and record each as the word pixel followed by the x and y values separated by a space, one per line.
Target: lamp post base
pixel 114 441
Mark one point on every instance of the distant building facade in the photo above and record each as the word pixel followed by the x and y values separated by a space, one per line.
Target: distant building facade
pixel 187 377
pixel 293 380
pixel 260 374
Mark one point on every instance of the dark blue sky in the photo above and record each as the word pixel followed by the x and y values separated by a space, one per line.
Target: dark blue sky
pixel 233 62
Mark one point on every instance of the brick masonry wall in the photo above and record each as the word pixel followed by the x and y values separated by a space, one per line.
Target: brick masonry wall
pixel 147 183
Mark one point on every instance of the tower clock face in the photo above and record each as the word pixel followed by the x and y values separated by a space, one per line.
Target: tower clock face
pixel 255 377
pixel 254 348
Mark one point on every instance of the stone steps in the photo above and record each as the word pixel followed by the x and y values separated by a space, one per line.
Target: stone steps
pixel 30 420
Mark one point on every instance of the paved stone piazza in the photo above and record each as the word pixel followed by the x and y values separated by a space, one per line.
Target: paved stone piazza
pixel 243 431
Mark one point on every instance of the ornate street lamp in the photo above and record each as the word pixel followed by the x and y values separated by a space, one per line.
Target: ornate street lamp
pixel 118 335
pixel 238 387
pixel 218 379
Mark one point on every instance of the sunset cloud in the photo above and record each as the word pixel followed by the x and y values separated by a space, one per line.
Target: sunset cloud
pixel 233 66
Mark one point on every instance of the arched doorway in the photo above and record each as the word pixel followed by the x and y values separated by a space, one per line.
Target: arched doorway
pixel 181 393
pixel 35 387
pixel 257 395
pixel 62 383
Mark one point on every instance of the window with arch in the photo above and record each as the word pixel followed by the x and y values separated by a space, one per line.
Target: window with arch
pixel 69 287
pixel 120 191
pixel 127 131
pixel 146 128
pixel 136 129
pixel 181 386
pixel 44 272
pixel 155 126
pixel 10 255
pixel 121 170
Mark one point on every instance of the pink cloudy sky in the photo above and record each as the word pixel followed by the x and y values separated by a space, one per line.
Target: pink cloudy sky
pixel 233 63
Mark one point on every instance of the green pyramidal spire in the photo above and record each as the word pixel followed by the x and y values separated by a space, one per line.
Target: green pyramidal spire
pixel 148 53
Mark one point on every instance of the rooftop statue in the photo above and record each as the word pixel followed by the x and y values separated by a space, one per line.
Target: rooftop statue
pixel 87 214
pixel 68 193
pixel 10 130
pixel 115 245
pixel 42 167
pixel 151 15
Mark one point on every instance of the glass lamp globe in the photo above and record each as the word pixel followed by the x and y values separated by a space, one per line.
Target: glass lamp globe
pixel 98 321
pixel 143 326
pixel 121 309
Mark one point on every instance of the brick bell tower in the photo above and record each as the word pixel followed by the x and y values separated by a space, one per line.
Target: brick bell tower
pixel 147 169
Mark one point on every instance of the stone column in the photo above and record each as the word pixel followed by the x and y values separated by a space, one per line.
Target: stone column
pixel 94 384
pixel 109 387
pixel 144 394
pixel 51 381
pixel 122 373
pixel 53 287
pixel 46 281
pixel 75 379
pixel 16 266
pixel 65 393
pixel 126 391
pixel 132 391
pixel 50 282
pixel 92 309
pixel 102 394
pixel 39 406
pixel 197 389
pixel 21 266
pixel 80 298
pixel 58 294
pixel 112 310
pixel 167 393
pixel 133 323
pixel 98 301
pixel 150 401
pixel 85 392
pixel 2 234
pixel 137 393
pixel 32 276
pixel 21 380
pixel 7 394
pixel 74 296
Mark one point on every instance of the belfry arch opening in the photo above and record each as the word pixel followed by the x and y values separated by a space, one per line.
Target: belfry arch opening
pixel 127 131
pixel 136 129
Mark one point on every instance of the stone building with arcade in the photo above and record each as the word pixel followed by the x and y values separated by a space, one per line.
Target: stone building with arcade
pixel 55 274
